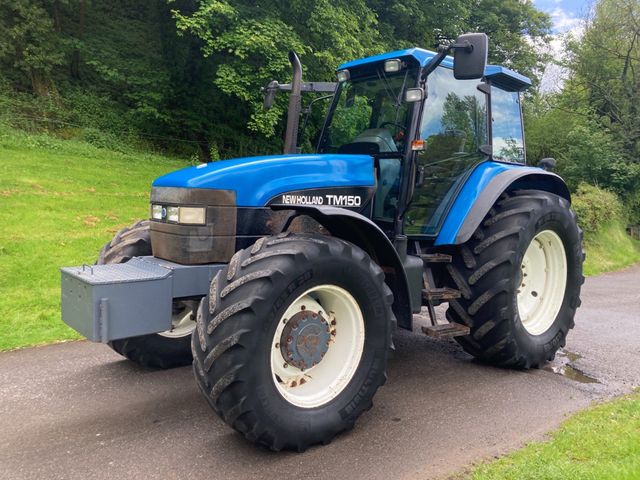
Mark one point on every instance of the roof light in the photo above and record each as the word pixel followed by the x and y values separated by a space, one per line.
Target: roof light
pixel 413 95
pixel 343 75
pixel 393 65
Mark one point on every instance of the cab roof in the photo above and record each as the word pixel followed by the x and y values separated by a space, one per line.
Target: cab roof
pixel 501 76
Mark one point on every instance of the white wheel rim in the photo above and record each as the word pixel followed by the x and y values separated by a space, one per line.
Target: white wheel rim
pixel 183 323
pixel 321 383
pixel 543 282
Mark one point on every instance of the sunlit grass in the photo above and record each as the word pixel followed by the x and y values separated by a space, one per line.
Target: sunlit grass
pixel 600 443
pixel 610 249
pixel 60 201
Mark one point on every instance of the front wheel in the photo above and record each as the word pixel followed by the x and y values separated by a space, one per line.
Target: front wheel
pixel 168 349
pixel 291 343
pixel 519 277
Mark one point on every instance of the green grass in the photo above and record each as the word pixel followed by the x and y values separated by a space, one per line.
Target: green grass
pixel 610 248
pixel 60 201
pixel 600 443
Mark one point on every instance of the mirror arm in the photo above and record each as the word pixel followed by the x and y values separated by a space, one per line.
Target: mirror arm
pixel 307 111
pixel 443 51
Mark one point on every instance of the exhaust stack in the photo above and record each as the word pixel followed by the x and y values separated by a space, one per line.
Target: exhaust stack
pixel 293 113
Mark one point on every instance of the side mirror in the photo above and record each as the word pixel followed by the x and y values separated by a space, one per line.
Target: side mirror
pixel 548 164
pixel 470 56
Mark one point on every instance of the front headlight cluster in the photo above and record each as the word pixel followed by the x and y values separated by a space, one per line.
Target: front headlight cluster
pixel 183 215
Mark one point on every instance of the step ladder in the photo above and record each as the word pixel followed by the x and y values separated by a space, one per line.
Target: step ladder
pixel 431 295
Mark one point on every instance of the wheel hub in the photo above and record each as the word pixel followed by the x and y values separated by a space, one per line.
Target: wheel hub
pixel 305 339
pixel 542 282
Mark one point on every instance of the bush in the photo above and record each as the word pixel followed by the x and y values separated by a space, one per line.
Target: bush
pixel 596 207
pixel 633 207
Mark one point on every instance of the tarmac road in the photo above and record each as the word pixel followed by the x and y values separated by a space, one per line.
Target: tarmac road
pixel 78 411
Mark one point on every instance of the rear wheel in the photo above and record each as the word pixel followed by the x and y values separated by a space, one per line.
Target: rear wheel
pixel 159 350
pixel 292 340
pixel 519 277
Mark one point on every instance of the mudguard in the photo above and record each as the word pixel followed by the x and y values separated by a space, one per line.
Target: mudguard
pixel 481 190
pixel 361 231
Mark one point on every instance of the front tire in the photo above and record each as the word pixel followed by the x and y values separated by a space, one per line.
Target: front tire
pixel 158 350
pixel 519 277
pixel 291 343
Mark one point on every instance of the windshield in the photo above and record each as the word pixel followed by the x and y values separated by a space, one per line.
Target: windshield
pixel 369 114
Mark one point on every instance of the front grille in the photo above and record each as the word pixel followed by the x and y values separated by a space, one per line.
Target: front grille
pixel 213 242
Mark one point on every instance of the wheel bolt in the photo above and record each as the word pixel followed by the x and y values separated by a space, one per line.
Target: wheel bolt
pixel 303 307
pixel 289 339
pixel 285 365
pixel 277 345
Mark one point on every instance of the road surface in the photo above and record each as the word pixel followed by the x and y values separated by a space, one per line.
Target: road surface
pixel 79 411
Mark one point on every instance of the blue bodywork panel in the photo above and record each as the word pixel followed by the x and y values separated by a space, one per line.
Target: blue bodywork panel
pixel 258 179
pixel 469 194
pixel 501 76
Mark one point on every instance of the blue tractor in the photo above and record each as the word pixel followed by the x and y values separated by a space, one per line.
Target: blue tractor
pixel 282 278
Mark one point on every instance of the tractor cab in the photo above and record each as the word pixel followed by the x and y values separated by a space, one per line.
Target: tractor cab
pixel 421 122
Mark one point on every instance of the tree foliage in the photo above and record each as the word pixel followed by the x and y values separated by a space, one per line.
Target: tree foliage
pixel 593 125
pixel 192 69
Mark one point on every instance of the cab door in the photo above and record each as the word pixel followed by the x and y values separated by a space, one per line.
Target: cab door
pixel 454 130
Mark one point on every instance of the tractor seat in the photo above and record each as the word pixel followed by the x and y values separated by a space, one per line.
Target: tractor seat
pixel 364 148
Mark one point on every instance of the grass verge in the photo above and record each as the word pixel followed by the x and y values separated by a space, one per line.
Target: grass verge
pixel 610 248
pixel 60 200
pixel 601 443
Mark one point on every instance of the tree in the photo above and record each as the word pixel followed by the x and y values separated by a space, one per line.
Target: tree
pixel 606 65
pixel 30 47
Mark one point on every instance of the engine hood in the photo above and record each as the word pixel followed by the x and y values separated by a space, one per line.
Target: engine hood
pixel 258 179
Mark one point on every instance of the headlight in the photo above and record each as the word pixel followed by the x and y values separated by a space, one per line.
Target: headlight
pixel 192 215
pixel 183 215
pixel 173 214
pixel 156 212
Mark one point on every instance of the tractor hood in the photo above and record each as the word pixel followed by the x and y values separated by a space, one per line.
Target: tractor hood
pixel 256 180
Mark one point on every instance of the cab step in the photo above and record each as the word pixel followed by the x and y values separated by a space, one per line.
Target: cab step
pixel 446 330
pixel 440 294
pixel 435 257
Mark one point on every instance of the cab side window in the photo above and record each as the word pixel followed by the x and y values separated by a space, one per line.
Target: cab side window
pixel 506 123
pixel 453 127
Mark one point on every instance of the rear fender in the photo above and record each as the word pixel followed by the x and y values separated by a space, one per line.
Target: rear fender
pixel 484 186
pixel 361 231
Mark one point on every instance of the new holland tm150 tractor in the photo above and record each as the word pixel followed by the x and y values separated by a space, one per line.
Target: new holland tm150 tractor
pixel 282 278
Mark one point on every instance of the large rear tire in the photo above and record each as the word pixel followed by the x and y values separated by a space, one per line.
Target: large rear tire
pixel 159 350
pixel 519 276
pixel 292 341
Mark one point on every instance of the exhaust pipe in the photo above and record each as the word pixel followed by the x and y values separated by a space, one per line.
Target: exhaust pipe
pixel 293 113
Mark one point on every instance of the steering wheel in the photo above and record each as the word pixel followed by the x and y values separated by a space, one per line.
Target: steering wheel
pixel 399 125
pixel 402 130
